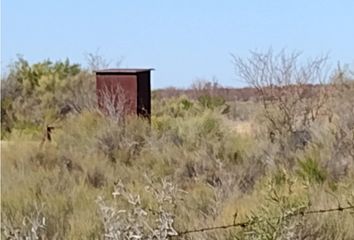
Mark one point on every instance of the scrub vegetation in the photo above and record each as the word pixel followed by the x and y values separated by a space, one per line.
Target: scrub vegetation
pixel 277 164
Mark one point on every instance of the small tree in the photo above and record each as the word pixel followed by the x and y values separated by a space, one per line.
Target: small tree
pixel 293 93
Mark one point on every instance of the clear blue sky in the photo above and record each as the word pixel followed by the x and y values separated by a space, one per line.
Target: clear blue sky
pixel 183 40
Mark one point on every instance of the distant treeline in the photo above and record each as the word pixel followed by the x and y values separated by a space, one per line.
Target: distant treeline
pixel 229 94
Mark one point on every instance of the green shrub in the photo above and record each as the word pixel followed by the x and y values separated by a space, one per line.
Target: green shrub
pixel 311 170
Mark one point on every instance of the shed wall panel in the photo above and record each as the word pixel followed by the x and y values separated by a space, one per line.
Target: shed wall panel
pixel 117 88
pixel 144 95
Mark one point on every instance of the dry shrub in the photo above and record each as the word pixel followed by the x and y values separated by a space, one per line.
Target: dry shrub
pixel 136 221
pixel 293 95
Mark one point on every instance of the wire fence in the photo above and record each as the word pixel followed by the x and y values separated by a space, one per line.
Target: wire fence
pixel 251 222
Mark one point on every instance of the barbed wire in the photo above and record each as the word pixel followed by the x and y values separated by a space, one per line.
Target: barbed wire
pixel 251 222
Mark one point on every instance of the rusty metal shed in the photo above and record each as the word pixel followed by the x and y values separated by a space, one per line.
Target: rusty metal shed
pixel 134 84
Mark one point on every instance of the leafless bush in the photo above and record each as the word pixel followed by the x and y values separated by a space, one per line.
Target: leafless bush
pixel 96 61
pixel 293 94
pixel 137 221
pixel 114 102
pixel 33 226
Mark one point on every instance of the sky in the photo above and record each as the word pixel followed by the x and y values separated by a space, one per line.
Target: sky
pixel 182 40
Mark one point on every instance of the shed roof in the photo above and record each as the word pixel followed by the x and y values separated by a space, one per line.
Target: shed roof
pixel 124 70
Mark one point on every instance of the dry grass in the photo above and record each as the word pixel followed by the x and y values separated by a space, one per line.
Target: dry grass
pixel 221 166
